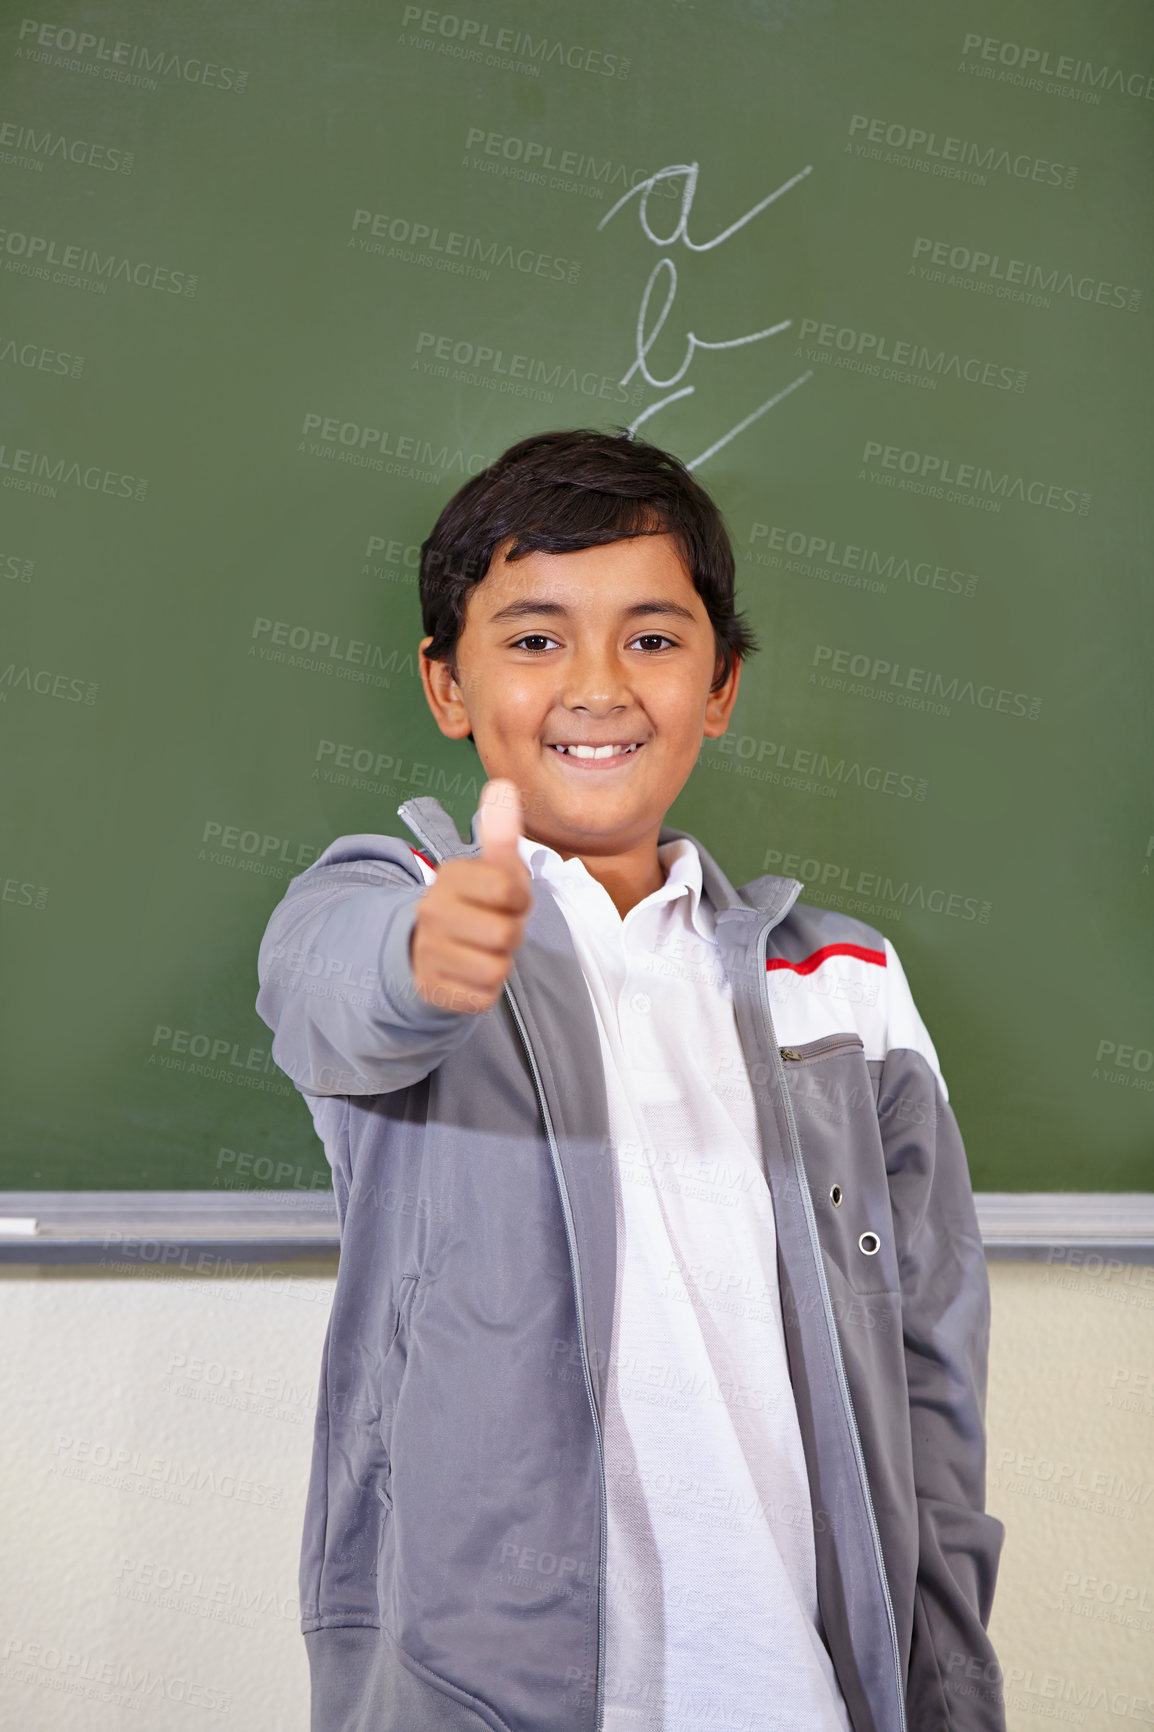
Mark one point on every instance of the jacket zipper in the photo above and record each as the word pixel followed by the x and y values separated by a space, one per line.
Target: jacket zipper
pixel 839 1363
pixel 574 1263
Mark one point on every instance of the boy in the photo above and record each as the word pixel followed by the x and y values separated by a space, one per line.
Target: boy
pixel 653 1393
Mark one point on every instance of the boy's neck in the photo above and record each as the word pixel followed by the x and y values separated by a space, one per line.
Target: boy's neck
pixel 628 878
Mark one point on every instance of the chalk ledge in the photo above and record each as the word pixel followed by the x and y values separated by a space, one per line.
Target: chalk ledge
pixel 202 1231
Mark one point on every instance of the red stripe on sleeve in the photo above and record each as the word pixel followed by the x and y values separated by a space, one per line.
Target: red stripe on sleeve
pixel 429 863
pixel 819 956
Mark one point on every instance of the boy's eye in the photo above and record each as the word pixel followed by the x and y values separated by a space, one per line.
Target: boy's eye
pixel 540 637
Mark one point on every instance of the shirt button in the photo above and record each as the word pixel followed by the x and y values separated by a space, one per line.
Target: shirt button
pixel 641 1003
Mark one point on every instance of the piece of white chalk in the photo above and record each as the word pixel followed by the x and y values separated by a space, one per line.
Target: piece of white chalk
pixel 21 1224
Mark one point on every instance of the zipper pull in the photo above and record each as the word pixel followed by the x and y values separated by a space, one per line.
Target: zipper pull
pixel 788 1052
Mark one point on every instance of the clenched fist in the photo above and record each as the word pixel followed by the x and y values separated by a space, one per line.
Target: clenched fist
pixel 471 919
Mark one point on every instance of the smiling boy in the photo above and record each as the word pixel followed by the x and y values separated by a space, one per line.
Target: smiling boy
pixel 653 1390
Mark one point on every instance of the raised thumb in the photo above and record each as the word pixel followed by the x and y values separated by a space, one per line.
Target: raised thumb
pixel 499 819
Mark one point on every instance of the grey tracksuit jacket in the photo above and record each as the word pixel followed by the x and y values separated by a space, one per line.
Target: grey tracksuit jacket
pixel 452 1572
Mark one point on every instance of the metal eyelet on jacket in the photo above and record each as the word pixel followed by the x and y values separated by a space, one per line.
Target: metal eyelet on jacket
pixel 870 1244
pixel 835 1196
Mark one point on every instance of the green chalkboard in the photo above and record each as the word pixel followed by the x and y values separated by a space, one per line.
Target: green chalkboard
pixel 277 278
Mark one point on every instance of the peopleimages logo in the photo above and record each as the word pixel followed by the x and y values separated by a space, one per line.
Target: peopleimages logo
pixel 475 363
pixel 873 351
pixel 890 681
pixel 927 472
pixel 544 164
pixel 808 769
pixel 25 147
pixel 836 881
pixel 368 447
pixel 320 651
pixel 38 472
pixel 478 39
pixel 121 62
pixel 39 358
pixel 1032 65
pixel 864 567
pixel 372 771
pixel 452 250
pixel 31 255
pixel 45 684
pixel 1013 279
pixel 914 147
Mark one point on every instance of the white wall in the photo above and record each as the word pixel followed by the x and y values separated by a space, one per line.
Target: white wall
pixel 1070 1420
pixel 156 1431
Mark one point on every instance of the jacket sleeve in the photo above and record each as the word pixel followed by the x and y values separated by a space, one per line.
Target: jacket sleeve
pixel 954 1681
pixel 336 983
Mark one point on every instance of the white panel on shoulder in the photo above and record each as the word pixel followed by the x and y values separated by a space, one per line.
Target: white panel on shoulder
pixel 839 989
pixel 906 1028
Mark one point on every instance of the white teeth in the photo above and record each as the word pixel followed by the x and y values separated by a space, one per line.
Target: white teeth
pixel 596 751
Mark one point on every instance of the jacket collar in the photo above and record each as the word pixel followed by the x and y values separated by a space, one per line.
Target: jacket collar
pixel 769 895
pixel 679 858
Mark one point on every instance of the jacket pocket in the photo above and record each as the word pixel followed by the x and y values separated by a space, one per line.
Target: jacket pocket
pixel 825 1047
pixel 390 1382
pixel 406 1287
pixel 391 1375
pixel 831 1046
pixel 834 1099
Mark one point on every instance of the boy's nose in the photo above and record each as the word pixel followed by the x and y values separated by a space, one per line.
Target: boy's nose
pixel 596 706
pixel 596 684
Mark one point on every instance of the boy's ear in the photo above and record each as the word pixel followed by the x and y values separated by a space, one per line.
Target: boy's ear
pixel 443 694
pixel 719 704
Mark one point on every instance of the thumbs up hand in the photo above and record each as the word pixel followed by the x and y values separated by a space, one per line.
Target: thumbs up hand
pixel 471 919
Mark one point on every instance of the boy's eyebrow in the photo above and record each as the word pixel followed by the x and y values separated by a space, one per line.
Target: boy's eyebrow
pixel 659 605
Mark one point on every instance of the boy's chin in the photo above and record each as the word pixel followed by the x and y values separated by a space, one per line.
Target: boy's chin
pixel 586 818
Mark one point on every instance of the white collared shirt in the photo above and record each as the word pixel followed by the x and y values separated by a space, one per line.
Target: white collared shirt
pixel 711 1614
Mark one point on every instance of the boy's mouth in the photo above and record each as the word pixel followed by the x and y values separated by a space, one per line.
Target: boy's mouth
pixel 607 757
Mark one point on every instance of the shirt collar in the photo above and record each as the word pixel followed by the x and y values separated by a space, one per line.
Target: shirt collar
pixel 679 860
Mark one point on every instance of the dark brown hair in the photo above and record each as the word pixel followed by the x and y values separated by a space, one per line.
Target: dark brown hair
pixel 560 492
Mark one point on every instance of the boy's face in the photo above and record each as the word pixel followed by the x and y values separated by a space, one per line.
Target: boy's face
pixel 611 645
